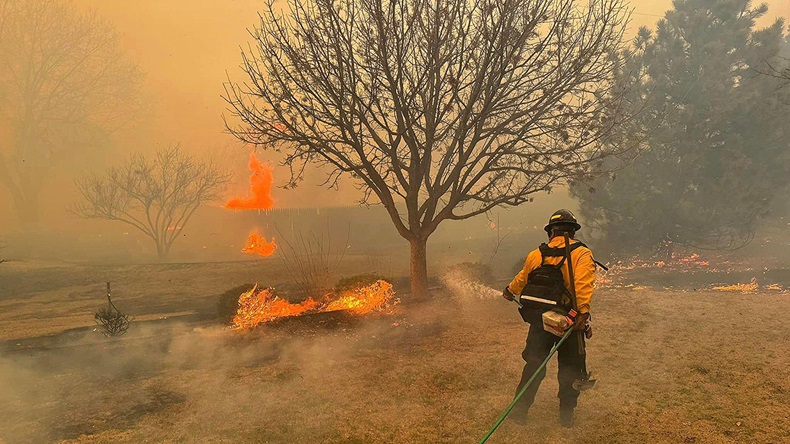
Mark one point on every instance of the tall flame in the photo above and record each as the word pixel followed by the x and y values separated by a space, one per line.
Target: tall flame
pixel 260 188
pixel 257 244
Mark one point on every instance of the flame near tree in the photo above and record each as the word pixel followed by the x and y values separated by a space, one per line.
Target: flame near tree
pixel 483 108
pixel 261 181
pixel 260 198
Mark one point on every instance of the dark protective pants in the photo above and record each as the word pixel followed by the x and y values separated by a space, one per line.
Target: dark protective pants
pixel 570 364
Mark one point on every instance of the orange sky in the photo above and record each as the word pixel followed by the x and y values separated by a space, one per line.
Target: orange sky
pixel 187 46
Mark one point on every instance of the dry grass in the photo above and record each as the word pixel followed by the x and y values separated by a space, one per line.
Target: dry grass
pixel 672 366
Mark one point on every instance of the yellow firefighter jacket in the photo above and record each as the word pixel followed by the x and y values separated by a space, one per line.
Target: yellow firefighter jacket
pixel 583 271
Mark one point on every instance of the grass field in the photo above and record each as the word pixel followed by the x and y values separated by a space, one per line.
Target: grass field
pixel 674 365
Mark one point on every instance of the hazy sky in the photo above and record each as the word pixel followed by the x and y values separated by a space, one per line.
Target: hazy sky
pixel 187 46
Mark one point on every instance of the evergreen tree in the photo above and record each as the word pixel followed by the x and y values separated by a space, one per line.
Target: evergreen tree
pixel 712 129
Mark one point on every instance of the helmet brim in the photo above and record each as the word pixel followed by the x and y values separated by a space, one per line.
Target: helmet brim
pixel 548 226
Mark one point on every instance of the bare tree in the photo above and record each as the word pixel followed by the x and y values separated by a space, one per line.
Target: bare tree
pixel 441 109
pixel 64 84
pixel 157 196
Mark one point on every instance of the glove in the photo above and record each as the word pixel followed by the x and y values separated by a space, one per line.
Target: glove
pixel 581 322
pixel 588 331
pixel 508 295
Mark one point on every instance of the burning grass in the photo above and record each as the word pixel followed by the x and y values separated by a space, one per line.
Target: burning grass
pixel 375 297
pixel 259 306
pixel 687 264
pixel 751 287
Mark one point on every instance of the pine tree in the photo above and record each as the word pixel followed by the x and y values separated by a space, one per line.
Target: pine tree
pixel 712 129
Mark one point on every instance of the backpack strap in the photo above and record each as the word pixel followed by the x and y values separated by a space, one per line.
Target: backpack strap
pixel 544 251
pixel 581 244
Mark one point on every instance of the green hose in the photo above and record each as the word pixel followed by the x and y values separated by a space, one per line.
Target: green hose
pixel 526 386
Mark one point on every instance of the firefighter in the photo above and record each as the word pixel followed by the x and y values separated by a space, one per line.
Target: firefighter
pixel 543 265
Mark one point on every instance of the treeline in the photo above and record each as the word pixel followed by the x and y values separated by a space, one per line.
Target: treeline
pixel 707 92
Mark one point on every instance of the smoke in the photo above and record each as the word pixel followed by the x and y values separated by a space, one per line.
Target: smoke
pixel 208 382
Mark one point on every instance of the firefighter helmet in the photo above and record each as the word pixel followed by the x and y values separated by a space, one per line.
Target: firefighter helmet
pixel 562 217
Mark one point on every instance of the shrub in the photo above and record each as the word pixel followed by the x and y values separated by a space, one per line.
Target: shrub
pixel 228 302
pixel 358 280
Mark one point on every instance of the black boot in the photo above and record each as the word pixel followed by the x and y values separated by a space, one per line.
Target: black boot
pixel 566 416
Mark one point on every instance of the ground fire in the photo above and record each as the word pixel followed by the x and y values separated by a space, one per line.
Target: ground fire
pixel 257 244
pixel 259 306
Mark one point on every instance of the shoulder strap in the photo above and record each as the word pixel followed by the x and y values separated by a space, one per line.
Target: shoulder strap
pixel 581 244
pixel 578 244
pixel 543 248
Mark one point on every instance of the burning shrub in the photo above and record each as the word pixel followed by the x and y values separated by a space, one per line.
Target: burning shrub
pixel 357 281
pixel 257 244
pixel 228 302
pixel 259 306
pixel 375 297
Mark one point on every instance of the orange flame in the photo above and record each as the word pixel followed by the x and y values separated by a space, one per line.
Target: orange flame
pixel 260 306
pixel 260 186
pixel 257 244
pixel 751 287
pixel 375 297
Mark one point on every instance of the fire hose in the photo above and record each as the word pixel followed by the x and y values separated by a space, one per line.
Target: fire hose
pixel 584 382
pixel 526 386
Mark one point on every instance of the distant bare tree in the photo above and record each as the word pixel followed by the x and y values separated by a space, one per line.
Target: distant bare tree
pixel 64 84
pixel 157 196
pixel 441 109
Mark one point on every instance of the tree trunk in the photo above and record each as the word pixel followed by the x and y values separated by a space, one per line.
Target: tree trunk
pixel 419 268
pixel 161 250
